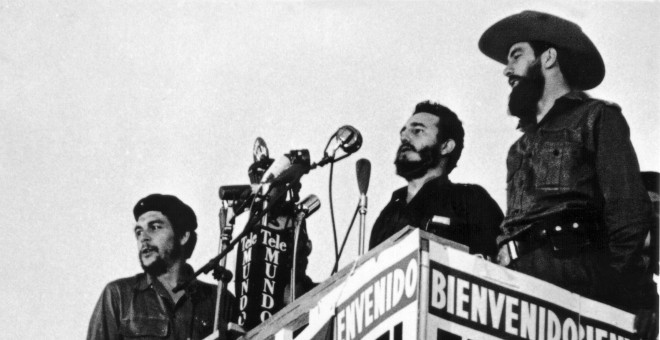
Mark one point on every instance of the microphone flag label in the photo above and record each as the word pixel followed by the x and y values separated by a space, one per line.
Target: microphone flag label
pixel 263 268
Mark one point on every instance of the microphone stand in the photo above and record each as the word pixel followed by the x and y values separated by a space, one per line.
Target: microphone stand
pixel 300 217
pixel 226 221
pixel 363 213
pixel 249 227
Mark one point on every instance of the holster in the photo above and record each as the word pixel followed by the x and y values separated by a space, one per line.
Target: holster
pixel 566 239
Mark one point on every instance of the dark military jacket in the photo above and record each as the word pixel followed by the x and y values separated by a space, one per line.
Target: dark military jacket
pixel 578 163
pixel 140 307
pixel 474 214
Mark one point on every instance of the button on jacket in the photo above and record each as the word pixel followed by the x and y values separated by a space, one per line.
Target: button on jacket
pixel 140 307
pixel 475 214
pixel 579 163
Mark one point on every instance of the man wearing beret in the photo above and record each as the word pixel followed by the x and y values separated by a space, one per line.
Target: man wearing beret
pixel 577 212
pixel 144 306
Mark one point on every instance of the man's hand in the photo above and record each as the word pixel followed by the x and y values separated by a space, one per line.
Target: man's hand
pixel 646 324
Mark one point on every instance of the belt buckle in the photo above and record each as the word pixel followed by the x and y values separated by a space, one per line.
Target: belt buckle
pixel 568 238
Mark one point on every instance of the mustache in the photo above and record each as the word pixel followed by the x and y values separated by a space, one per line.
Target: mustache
pixel 405 146
pixel 147 248
pixel 513 78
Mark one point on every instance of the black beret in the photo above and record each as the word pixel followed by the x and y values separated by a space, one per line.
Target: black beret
pixel 180 214
pixel 537 26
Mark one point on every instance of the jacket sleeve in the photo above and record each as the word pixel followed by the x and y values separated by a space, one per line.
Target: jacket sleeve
pixel 378 231
pixel 627 212
pixel 105 318
pixel 485 217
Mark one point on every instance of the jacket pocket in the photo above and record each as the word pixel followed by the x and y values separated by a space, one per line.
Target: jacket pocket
pixel 203 326
pixel 558 161
pixel 144 327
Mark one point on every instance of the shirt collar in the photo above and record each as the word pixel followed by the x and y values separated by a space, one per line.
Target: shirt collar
pixel 145 280
pixel 562 104
pixel 570 100
pixel 565 103
pixel 400 194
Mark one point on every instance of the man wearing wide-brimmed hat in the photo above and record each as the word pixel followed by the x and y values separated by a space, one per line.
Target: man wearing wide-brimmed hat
pixel 577 211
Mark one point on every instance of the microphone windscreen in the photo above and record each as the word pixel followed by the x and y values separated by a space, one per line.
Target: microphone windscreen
pixel 349 138
pixel 259 150
pixel 363 170
pixel 257 170
pixel 310 204
pixel 234 192
pixel 276 169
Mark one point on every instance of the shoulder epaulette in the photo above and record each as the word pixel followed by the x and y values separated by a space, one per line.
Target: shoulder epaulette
pixel 607 103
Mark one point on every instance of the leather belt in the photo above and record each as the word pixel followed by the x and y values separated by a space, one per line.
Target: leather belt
pixel 565 238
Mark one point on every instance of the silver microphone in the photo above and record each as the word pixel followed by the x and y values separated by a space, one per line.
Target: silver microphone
pixel 363 170
pixel 346 138
pixel 309 205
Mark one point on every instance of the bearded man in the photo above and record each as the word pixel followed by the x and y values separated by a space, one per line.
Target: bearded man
pixel 144 306
pixel 577 211
pixel 431 144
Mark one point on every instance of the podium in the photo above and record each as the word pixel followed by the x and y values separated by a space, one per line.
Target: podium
pixel 416 285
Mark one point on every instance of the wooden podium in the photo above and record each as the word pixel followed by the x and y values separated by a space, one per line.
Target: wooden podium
pixel 419 286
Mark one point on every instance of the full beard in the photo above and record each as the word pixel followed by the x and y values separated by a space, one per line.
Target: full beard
pixel 525 96
pixel 429 158
pixel 162 261
pixel 155 268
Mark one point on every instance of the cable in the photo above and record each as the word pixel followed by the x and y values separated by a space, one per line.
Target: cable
pixel 332 212
pixel 341 250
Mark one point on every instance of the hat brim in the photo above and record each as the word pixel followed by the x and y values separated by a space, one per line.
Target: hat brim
pixel 536 26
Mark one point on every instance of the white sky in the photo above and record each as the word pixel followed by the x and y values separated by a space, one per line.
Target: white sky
pixel 105 102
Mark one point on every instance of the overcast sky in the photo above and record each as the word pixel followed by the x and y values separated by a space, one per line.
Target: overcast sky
pixel 103 103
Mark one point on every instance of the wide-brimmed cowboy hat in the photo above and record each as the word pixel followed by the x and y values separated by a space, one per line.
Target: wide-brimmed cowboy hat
pixel 588 69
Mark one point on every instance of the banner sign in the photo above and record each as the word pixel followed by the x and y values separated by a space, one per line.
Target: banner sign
pixel 420 288
pixel 262 272
pixel 378 300
pixel 470 298
pixel 464 299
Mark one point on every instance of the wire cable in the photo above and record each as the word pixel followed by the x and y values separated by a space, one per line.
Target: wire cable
pixel 332 212
pixel 341 250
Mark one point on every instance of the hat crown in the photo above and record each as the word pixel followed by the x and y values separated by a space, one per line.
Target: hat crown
pixel 180 214
pixel 538 26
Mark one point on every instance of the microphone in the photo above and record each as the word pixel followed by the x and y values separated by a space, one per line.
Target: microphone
pixel 276 169
pixel 238 196
pixel 309 205
pixel 257 169
pixel 363 170
pixel 350 139
pixel 235 192
pixel 346 138
pixel 259 150
pixel 287 168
